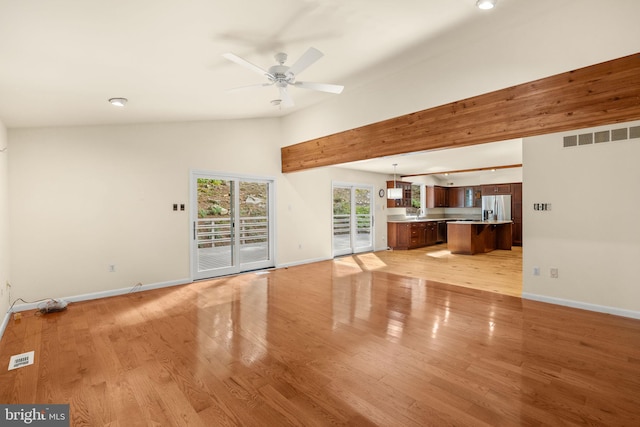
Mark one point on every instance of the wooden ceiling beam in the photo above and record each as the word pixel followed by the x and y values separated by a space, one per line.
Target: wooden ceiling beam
pixel 597 95
pixel 488 168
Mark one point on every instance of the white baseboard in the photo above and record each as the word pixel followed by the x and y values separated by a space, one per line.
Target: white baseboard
pixel 5 322
pixel 122 291
pixel 306 261
pixel 583 305
pixel 90 296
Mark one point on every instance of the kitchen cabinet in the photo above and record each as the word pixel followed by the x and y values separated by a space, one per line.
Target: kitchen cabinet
pixel 477 237
pixel 492 190
pixel 398 235
pixel 437 197
pixel 467 197
pixel 418 234
pixel 406 195
pixel 431 233
pixel 412 235
pixel 477 197
pixel 457 197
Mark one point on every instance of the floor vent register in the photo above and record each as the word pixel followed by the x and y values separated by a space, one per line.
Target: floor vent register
pixel 21 360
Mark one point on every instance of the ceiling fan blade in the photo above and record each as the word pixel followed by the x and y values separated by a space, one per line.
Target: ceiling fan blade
pixel 241 61
pixel 322 87
pixel 241 88
pixel 309 57
pixel 286 99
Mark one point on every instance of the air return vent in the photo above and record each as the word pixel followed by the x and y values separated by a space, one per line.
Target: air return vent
pixel 621 134
pixel 570 141
pixel 585 138
pixel 601 136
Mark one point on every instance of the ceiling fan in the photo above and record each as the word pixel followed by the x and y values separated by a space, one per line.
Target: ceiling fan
pixel 283 76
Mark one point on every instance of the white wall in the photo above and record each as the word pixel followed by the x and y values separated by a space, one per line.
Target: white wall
pixel 305 212
pixel 4 223
pixel 87 197
pixel 591 234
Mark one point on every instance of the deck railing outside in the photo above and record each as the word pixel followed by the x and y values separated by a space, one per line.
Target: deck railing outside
pixel 216 232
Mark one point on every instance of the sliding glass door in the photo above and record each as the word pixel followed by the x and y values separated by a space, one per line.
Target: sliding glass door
pixel 231 225
pixel 352 219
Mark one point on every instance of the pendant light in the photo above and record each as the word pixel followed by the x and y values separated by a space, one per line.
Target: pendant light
pixel 394 193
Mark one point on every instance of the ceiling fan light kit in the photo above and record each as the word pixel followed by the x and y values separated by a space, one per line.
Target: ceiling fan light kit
pixel 118 102
pixel 486 4
pixel 283 76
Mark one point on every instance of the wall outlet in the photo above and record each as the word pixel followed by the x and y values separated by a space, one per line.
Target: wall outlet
pixel 536 271
pixel 553 272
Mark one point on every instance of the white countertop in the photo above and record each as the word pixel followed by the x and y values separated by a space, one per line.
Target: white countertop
pixel 492 222
pixel 423 219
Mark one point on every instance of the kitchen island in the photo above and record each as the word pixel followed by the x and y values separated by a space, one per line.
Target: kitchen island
pixel 472 237
pixel 416 232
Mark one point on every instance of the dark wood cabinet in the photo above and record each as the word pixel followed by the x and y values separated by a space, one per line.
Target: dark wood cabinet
pixel 398 235
pixel 490 190
pixel 472 238
pixel 411 235
pixel 477 197
pixel 405 201
pixel 418 235
pixel 437 197
pixel 472 197
pixel 431 233
pixel 457 197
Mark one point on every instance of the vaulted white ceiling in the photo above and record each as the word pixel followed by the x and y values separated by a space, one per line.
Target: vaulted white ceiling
pixel 61 60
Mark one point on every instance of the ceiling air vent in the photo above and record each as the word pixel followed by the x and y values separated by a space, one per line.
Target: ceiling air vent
pixel 634 132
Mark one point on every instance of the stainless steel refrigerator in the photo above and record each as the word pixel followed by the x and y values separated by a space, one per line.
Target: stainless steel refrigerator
pixel 496 208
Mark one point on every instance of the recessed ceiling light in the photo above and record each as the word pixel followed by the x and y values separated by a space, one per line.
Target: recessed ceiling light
pixel 486 4
pixel 118 102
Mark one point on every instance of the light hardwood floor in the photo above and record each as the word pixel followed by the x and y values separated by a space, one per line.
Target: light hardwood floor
pixel 497 271
pixel 361 340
